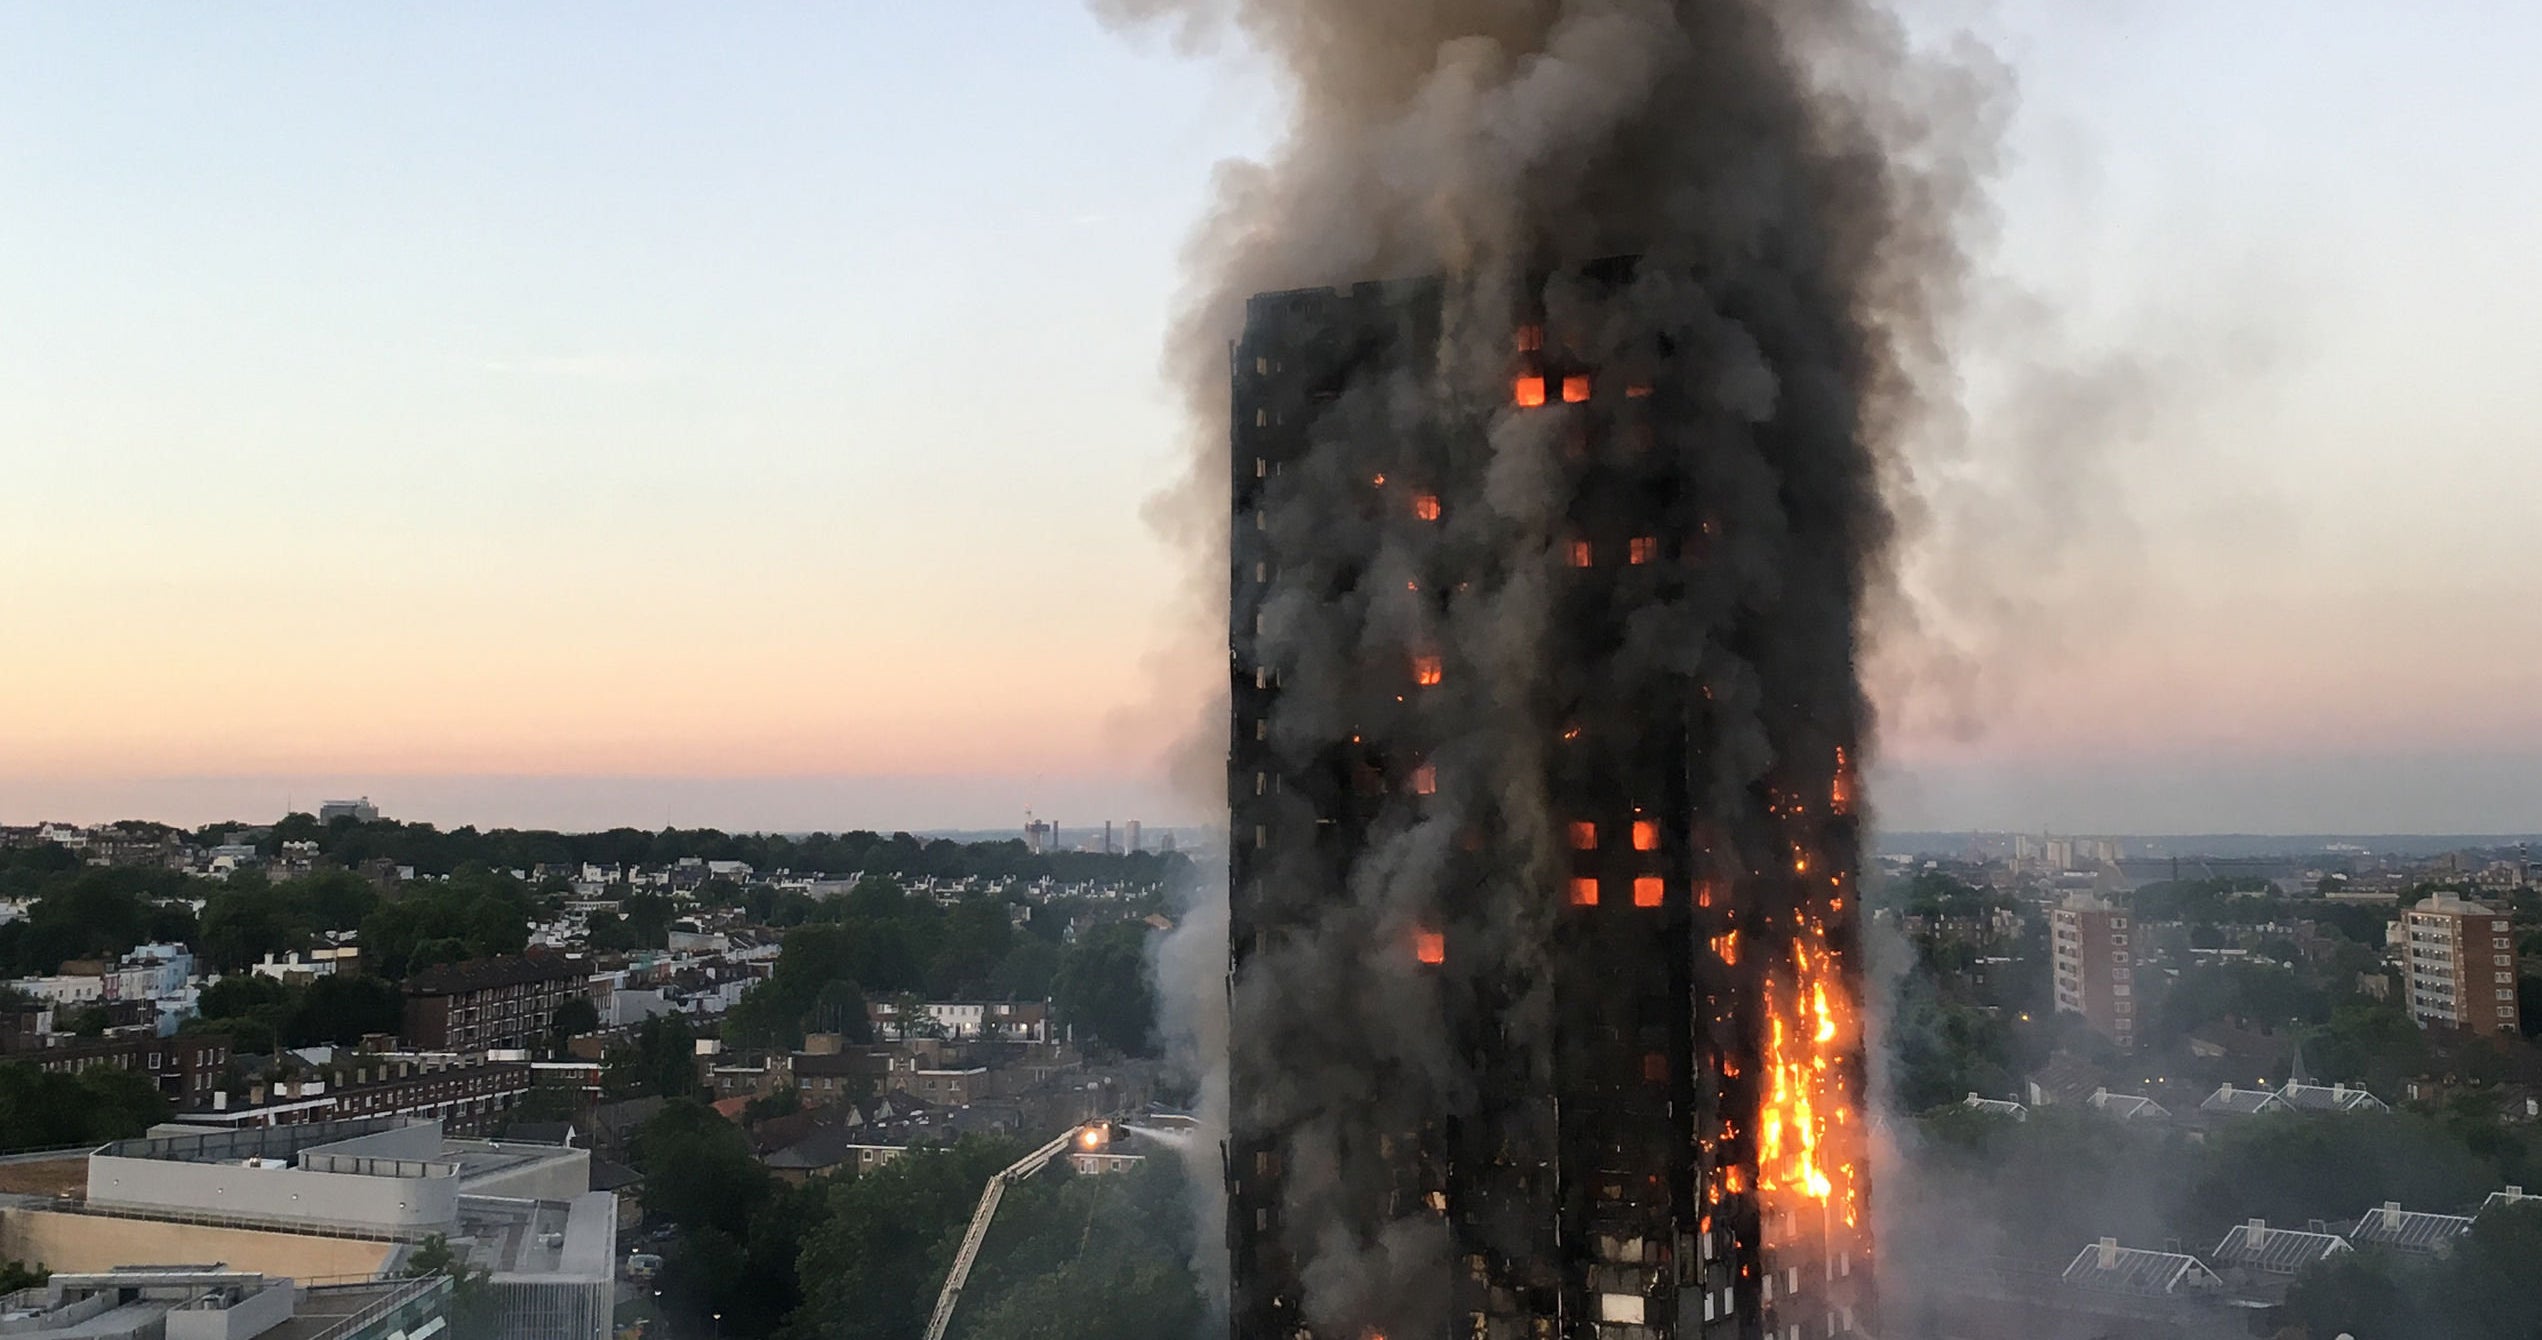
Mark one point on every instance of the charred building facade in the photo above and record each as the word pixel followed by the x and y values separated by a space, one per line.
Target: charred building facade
pixel 1543 970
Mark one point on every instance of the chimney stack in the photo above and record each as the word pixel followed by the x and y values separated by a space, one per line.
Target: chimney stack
pixel 2109 1253
pixel 2256 1235
pixel 2391 1216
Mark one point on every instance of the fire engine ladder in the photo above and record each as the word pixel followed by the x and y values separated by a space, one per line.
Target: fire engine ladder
pixel 979 1230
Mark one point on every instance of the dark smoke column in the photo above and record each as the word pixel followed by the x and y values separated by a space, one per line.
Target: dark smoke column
pixel 1542 1008
pixel 1567 343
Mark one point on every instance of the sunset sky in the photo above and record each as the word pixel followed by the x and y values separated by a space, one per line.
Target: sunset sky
pixel 647 413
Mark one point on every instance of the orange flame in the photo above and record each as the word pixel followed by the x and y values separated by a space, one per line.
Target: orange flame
pixel 1430 946
pixel 1645 835
pixel 1584 835
pixel 1575 388
pixel 1530 392
pixel 1427 671
pixel 1648 891
pixel 1426 506
pixel 1808 1106
pixel 1584 892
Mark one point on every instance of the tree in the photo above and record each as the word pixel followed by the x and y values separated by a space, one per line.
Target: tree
pixel 1087 1258
pixel 785 1102
pixel 2375 1043
pixel 2485 1289
pixel 573 1019
pixel 1026 971
pixel 698 1169
pixel 660 1059
pixel 243 924
pixel 869 1267
pixel 1101 1300
pixel 471 1298
pixel 910 1018
pixel 475 913
pixel 1102 987
pixel 813 986
pixel 329 900
pixel 2355 1293
pixel 344 1008
pixel 244 995
pixel 248 1035
pixel 44 1110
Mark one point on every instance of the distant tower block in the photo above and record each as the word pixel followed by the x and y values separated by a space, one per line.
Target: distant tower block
pixel 1130 838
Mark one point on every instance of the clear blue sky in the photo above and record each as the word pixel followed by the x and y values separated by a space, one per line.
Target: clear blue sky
pixel 751 407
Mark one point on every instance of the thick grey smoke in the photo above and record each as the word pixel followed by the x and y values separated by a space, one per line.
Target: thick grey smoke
pixel 1795 178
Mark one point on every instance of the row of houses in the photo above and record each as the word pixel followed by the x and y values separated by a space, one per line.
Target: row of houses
pixel 2256 1249
pixel 2226 1101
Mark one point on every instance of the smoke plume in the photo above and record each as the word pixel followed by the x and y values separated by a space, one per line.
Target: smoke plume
pixel 1795 180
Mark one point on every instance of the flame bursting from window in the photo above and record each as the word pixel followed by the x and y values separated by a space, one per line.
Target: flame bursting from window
pixel 1807 1130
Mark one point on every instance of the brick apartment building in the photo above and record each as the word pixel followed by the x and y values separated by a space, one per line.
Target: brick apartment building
pixel 2458 961
pixel 487 1003
pixel 185 1067
pixel 466 1100
pixel 2096 967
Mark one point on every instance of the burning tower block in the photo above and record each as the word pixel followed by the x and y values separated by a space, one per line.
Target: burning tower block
pixel 1544 977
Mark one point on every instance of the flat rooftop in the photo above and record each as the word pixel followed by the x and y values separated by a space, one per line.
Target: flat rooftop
pixel 486 1158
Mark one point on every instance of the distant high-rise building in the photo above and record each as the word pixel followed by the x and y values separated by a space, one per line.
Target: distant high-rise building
pixel 2095 967
pixel 1040 835
pixel 2459 961
pixel 1130 839
pixel 359 811
pixel 1107 847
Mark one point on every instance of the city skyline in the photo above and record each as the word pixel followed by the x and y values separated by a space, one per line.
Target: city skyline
pixel 576 419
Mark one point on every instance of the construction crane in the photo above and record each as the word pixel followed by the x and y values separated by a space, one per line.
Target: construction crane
pixel 1089 1138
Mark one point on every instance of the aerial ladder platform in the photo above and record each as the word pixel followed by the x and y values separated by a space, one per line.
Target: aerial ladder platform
pixel 1092 1136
